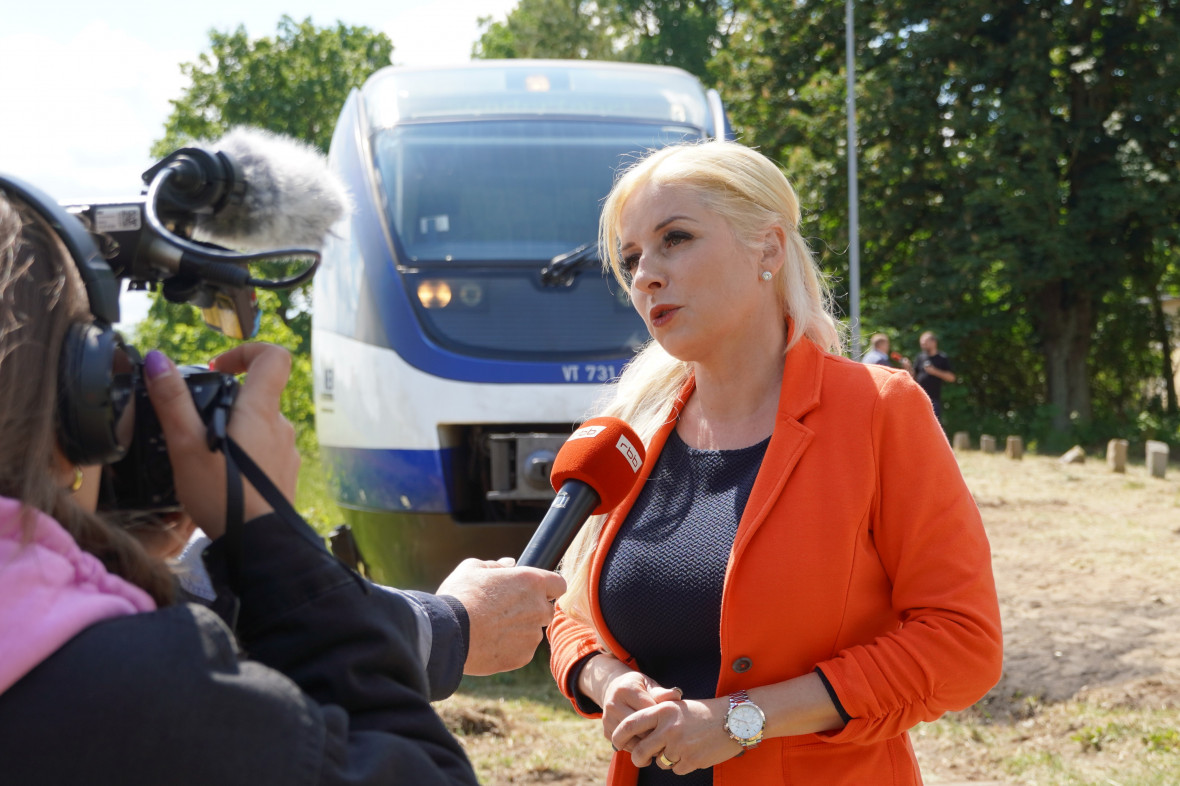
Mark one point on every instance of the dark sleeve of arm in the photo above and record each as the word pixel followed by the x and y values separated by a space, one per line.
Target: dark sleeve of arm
pixel 450 632
pixel 348 646
pixel 583 703
pixel 844 716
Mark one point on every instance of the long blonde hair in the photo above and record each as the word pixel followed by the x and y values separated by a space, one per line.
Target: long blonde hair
pixel 752 194
pixel 41 296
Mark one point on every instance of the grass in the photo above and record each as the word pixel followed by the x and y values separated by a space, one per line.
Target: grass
pixel 517 728
pixel 1074 742
pixel 313 496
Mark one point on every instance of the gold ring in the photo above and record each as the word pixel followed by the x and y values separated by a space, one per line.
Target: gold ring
pixel 666 761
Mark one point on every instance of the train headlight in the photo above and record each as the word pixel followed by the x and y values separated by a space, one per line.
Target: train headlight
pixel 434 294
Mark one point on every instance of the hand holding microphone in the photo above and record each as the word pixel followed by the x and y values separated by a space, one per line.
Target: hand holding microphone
pixel 509 603
pixel 594 471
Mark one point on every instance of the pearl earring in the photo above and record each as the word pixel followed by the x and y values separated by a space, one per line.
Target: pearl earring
pixel 767 275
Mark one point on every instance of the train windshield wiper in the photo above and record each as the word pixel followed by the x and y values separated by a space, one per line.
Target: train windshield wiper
pixel 562 268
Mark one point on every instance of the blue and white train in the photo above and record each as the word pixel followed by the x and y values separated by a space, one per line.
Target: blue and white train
pixel 462 324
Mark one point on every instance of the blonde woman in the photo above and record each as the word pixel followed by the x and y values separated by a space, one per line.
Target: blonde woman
pixel 801 574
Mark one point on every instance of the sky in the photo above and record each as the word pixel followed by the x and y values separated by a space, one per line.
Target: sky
pixel 87 85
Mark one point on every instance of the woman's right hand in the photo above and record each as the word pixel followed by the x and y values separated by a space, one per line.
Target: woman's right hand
pixel 256 425
pixel 620 690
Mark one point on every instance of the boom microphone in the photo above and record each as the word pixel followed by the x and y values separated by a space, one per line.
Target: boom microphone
pixel 291 197
pixel 252 190
pixel 593 472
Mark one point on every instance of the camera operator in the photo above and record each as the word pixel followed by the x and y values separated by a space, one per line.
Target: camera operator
pixel 104 678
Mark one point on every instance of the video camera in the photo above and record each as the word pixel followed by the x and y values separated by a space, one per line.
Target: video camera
pixel 254 191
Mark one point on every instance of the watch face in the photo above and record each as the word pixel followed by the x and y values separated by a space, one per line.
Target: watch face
pixel 745 721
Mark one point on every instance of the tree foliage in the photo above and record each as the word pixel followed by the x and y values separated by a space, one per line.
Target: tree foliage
pixel 295 84
pixel 1018 177
pixel 682 33
pixel 547 29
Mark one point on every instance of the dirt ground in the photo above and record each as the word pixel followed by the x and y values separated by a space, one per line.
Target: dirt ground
pixel 1087 564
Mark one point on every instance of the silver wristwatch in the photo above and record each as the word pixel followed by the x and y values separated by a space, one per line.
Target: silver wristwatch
pixel 745 720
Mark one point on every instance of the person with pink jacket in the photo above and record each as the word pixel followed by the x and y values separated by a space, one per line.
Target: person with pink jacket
pixel 305 674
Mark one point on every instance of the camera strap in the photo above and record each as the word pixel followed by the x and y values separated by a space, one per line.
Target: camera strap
pixel 238 463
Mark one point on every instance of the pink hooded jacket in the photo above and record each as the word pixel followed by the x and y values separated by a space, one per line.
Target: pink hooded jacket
pixel 50 590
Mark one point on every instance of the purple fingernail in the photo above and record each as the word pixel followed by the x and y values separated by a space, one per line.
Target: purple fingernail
pixel 156 364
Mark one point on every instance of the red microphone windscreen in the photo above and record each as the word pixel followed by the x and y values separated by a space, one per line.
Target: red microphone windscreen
pixel 606 455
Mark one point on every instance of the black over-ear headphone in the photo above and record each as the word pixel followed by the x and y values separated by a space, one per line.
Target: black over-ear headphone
pixel 96 372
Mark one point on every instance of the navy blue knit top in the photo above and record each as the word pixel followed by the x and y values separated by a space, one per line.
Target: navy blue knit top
pixel 662 579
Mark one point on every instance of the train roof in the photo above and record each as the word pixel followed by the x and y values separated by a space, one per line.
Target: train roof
pixel 495 89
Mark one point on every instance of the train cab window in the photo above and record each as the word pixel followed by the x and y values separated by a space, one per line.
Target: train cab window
pixel 478 207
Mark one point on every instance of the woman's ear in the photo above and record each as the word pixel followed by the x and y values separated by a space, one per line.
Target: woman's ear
pixel 774 249
pixel 66 474
pixel 62 468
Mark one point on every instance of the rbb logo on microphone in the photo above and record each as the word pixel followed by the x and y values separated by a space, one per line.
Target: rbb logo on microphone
pixel 590 478
pixel 629 452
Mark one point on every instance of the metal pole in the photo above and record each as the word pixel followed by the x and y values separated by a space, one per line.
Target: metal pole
pixel 853 211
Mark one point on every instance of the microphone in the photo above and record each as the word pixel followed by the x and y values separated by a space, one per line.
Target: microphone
pixel 593 472
pixel 256 191
pixel 290 196
pixel 253 191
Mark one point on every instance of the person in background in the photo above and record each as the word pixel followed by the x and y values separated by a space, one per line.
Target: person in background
pixel 801 574
pixel 931 368
pixel 880 355
pixel 878 351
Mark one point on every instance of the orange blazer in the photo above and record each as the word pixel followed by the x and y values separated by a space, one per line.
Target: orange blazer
pixel 860 551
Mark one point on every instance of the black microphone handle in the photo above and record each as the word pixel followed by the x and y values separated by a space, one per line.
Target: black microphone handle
pixel 557 530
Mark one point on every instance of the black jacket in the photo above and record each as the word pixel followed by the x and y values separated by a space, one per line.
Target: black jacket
pixel 323 685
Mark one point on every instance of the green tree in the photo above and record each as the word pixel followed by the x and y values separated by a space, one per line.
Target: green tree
pixel 557 29
pixel 682 33
pixel 1018 172
pixel 293 84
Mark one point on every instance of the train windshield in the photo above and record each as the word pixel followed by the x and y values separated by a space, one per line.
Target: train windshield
pixel 507 192
pixel 486 181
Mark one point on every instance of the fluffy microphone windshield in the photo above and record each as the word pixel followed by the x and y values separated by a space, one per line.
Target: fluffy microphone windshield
pixel 606 455
pixel 292 198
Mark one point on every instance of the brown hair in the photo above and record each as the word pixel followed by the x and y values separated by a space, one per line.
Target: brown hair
pixel 41 296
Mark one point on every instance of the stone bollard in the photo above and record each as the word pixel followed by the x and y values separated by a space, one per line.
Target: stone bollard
pixel 1116 455
pixel 962 441
pixel 987 443
pixel 1014 448
pixel 1075 455
pixel 1157 458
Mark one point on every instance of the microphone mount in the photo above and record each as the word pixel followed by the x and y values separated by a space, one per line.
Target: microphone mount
pixel 202 181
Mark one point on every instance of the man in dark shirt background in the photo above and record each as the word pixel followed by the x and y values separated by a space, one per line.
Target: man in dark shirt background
pixel 931 368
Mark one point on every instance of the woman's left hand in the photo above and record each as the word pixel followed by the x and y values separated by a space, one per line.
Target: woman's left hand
pixel 257 425
pixel 690 733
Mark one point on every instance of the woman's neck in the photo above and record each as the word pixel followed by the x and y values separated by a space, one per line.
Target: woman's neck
pixel 736 399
